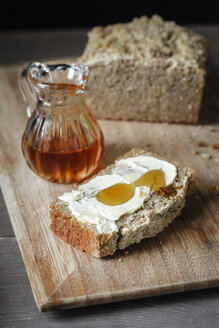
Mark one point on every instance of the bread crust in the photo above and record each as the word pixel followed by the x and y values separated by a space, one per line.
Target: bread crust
pixel 70 231
pixel 88 239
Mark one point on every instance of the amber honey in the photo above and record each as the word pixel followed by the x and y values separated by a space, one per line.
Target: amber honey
pixel 122 192
pixel 63 166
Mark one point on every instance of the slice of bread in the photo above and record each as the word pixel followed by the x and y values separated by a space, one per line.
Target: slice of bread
pixel 157 212
pixel 148 70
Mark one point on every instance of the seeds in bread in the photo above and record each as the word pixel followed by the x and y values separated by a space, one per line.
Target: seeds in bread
pixel 157 212
pixel 147 70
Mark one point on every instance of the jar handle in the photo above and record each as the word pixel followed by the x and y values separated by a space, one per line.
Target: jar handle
pixel 26 89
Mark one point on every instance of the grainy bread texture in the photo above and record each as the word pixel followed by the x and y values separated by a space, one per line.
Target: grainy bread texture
pixel 148 69
pixel 157 212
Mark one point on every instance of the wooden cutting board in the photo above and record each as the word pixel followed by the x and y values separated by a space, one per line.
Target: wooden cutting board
pixel 183 257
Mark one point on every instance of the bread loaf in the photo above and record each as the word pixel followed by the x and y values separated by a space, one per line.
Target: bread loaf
pixel 156 212
pixel 146 70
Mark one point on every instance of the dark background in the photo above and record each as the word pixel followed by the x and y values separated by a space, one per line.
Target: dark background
pixel 81 13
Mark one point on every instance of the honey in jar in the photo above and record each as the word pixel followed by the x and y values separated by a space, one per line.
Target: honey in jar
pixel 62 141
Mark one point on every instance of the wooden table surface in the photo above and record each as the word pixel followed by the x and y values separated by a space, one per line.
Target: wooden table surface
pixel 17 306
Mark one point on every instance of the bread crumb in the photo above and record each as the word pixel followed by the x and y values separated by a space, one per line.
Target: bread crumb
pixel 194 152
pixel 210 128
pixel 120 260
pixel 214 189
pixel 167 191
pixel 215 146
pixel 205 156
pixel 202 144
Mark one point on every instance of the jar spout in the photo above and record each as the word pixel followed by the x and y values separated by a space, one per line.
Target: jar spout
pixel 49 76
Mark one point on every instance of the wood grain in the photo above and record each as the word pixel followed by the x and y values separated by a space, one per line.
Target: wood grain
pixel 197 309
pixel 183 257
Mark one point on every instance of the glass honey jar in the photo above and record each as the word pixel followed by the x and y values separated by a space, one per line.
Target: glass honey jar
pixel 62 141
